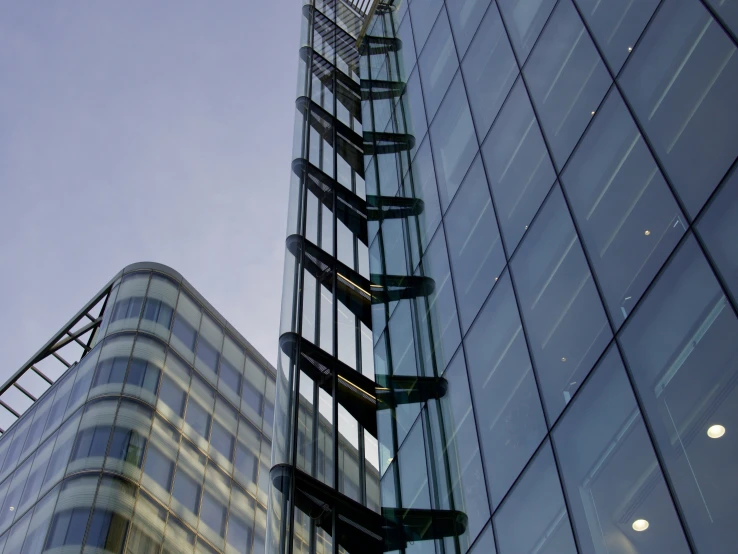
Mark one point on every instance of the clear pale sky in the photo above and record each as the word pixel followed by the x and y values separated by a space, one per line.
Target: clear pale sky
pixel 134 130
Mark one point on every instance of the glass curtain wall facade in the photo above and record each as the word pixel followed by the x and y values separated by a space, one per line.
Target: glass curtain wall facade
pixel 331 407
pixel 325 425
pixel 576 165
pixel 158 440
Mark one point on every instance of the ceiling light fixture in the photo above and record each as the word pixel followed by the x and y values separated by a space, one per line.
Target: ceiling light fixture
pixel 716 431
pixel 563 359
pixel 640 525
pixel 630 48
pixel 647 232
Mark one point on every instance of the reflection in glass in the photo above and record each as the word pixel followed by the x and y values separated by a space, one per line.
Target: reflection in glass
pixel 524 20
pixel 438 64
pixel 518 165
pixel 533 517
pixel 465 16
pixel 616 26
pixel 456 452
pixel 489 70
pixel 438 325
pixel 509 413
pixel 718 227
pixel 423 14
pixel 610 472
pixel 473 243
pixel 628 218
pixel 566 79
pixel 561 309
pixel 682 83
pixel 680 345
pixel 453 141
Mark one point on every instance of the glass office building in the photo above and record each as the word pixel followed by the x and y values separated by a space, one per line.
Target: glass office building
pixel 549 199
pixel 157 440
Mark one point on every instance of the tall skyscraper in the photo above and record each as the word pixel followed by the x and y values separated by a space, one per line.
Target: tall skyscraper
pixel 548 203
pixel 157 440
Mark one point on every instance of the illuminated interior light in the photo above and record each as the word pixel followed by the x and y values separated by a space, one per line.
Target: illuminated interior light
pixel 357 388
pixel 647 232
pixel 630 48
pixel 716 431
pixel 563 359
pixel 354 284
pixel 640 525
pixel 593 113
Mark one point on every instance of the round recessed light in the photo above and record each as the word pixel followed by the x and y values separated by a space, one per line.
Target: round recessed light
pixel 716 431
pixel 563 359
pixel 12 508
pixel 640 525
pixel 647 232
pixel 630 48
pixel 593 113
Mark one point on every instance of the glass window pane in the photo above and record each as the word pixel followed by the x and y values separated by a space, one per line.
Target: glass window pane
pixel 160 459
pixel 247 455
pixel 681 348
pixel 188 482
pixel 231 370
pixel 161 298
pixel 126 451
pixel 616 26
pixel 485 544
pixel 62 449
pixel 407 52
pixel 457 451
pixel 147 529
pixel 518 165
pixel 423 15
pixel 718 227
pixel 112 365
pixel 185 327
pixel 129 302
pixel 525 19
pixel 209 346
pixel 728 11
pixel 453 141
pixel 414 107
pixel 40 522
pixel 474 243
pixel 438 322
pixel 682 82
pixel 240 522
pixel 420 183
pixel 199 411
pixel 173 391
pixel 438 64
pixel 489 70
pixel 252 395
pixel 533 518
pixel 626 213
pixel 178 539
pixel 413 472
pixel 214 511
pixel 465 16
pixel 610 470
pixel 509 413
pixel 567 80
pixel 223 436
pixel 145 369
pixel 561 308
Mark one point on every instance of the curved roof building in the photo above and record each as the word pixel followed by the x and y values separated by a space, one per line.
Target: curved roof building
pixel 157 439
